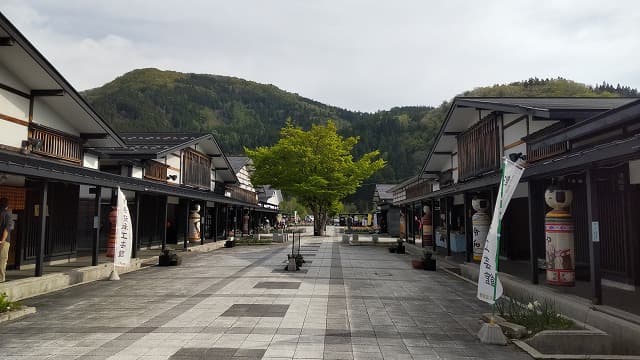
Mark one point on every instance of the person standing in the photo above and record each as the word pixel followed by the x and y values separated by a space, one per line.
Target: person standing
pixel 5 230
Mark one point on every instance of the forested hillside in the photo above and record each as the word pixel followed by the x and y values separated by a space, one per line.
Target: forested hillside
pixel 245 113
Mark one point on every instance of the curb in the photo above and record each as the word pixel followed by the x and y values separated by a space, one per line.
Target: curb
pixel 16 314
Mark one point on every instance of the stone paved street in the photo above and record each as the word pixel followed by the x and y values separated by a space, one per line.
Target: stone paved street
pixel 357 302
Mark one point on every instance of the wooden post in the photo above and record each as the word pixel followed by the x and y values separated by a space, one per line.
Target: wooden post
pixel 164 223
pixel 96 226
pixel 422 204
pixel 203 222
pixel 136 228
pixel 215 222
pixel 534 223
pixel 448 220
pixel 433 223
pixel 413 222
pixel 185 242
pixel 594 239
pixel 43 229
pixel 468 228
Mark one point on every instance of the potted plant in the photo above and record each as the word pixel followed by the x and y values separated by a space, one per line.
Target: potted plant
pixel 429 261
pixel 400 247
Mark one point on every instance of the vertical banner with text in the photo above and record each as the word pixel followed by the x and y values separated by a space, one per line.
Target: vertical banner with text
pixel 489 286
pixel 123 232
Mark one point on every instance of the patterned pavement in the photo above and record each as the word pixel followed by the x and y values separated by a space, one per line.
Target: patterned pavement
pixel 352 302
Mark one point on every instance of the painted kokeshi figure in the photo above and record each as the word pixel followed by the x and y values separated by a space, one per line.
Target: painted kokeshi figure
pixel 480 222
pixel 427 227
pixel 245 223
pixel 194 225
pixel 559 229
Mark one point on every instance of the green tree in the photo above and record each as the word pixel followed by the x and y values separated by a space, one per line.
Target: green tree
pixel 315 166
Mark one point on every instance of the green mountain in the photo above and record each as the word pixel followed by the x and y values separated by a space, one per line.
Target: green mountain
pixel 245 113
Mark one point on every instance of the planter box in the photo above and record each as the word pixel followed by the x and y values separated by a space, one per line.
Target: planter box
pixel 417 264
pixel 430 264
pixel 375 238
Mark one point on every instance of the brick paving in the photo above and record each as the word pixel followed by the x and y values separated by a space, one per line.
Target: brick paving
pixel 356 302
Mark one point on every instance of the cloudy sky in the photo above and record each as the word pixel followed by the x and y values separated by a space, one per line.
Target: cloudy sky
pixel 358 54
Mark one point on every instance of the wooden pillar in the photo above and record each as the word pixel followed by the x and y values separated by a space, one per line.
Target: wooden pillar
pixel 185 242
pixel 433 223
pixel 43 229
pixel 164 223
pixel 534 199
pixel 136 229
pixel 96 226
pixel 203 221
pixel 235 220
pixel 215 223
pixel 413 222
pixel 422 204
pixel 594 239
pixel 468 228
pixel 448 221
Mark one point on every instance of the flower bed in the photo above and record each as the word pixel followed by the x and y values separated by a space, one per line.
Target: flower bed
pixel 533 315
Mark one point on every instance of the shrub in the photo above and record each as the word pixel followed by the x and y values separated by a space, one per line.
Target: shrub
pixel 532 314
pixel 7 305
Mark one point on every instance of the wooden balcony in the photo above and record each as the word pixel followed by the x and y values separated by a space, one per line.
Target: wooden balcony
pixel 418 190
pixel 541 151
pixel 479 148
pixel 196 169
pixel 245 195
pixel 56 144
pixel 155 171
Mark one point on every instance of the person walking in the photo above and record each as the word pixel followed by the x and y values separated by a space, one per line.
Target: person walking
pixel 5 230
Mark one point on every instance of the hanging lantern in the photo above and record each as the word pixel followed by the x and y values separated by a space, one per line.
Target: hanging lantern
pixel 427 227
pixel 559 229
pixel 480 222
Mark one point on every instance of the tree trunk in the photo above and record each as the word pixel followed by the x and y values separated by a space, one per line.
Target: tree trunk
pixel 319 219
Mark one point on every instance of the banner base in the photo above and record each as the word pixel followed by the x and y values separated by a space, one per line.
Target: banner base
pixel 492 334
pixel 114 275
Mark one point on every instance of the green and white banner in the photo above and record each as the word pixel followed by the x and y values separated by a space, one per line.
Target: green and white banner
pixel 489 286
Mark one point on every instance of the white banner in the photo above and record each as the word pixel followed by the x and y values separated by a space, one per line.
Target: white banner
pixel 489 286
pixel 122 255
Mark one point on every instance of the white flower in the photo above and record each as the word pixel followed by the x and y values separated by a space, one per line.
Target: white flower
pixel 530 306
pixel 536 303
pixel 558 315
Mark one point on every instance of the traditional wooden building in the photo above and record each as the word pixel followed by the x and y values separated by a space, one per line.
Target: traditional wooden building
pixel 582 144
pixel 60 163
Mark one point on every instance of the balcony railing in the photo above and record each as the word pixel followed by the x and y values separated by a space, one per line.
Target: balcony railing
pixel 196 169
pixel 155 171
pixel 540 151
pixel 418 190
pixel 478 148
pixel 245 195
pixel 56 144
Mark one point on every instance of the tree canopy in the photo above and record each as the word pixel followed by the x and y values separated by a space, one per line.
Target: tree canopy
pixel 315 166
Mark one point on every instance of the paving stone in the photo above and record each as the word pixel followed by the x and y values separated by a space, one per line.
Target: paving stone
pixel 256 310
pixel 277 285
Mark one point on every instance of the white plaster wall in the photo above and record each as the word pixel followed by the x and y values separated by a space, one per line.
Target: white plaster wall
pixel 12 134
pixel 458 199
pixel 90 161
pixel 44 115
pixel 515 133
pixel 436 186
pixel 173 172
pixel 173 200
pixel 173 161
pixel 7 78
pixel 454 174
pixel 537 125
pixel 136 172
pixel 14 105
pixel 522 148
pixel 634 172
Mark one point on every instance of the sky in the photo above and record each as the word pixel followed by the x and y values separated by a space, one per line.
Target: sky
pixel 363 55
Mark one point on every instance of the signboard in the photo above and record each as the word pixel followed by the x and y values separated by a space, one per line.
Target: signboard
pixel 595 231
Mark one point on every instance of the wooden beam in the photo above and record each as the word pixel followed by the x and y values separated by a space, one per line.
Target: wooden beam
pixel 14 91
pixel 6 41
pixel 216 155
pixel 594 239
pixel 14 120
pixel 442 153
pixel 222 168
pixel 93 135
pixel 47 92
pixel 451 133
